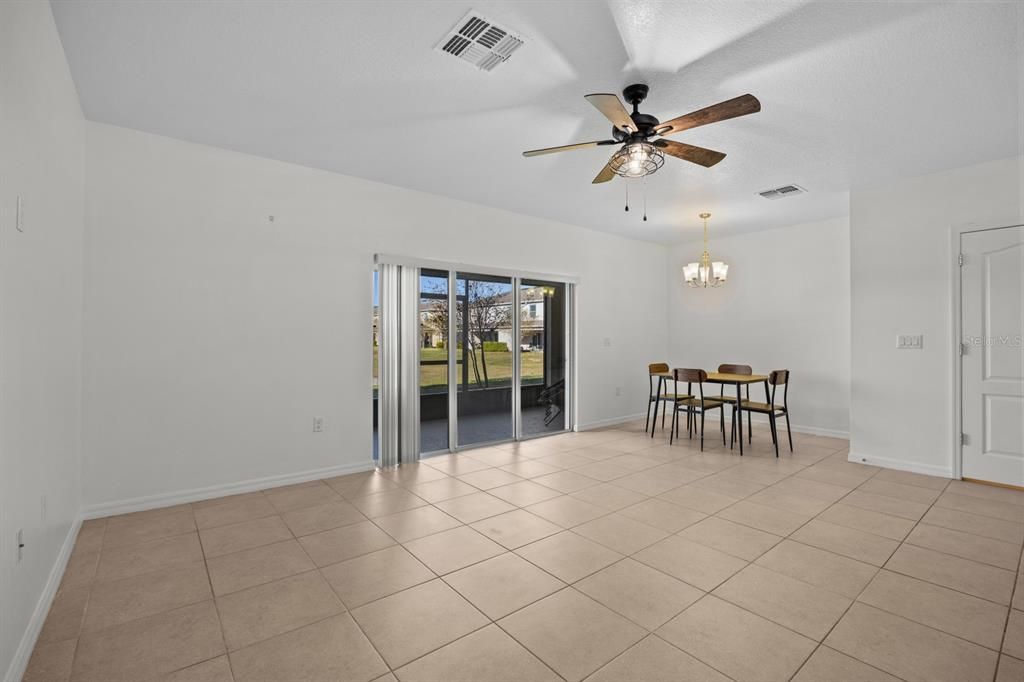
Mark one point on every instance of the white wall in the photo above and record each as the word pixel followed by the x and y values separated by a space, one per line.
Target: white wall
pixel 785 306
pixel 213 336
pixel 41 146
pixel 902 255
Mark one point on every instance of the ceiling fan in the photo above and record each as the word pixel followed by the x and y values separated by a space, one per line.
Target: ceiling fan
pixel 639 154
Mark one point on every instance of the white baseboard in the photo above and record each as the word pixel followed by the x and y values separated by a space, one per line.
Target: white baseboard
pixel 135 504
pixel 758 419
pixel 901 465
pixel 808 430
pixel 589 426
pixel 16 669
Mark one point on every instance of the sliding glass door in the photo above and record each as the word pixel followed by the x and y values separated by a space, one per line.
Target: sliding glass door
pixel 467 358
pixel 484 352
pixel 433 345
pixel 543 352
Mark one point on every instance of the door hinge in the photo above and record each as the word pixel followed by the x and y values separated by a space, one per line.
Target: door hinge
pixel 963 439
pixel 960 259
pixel 963 349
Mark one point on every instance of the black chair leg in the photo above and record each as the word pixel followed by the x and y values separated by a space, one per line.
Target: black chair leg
pixel 750 431
pixel 657 403
pixel 647 424
pixel 775 433
pixel 788 432
pixel 721 418
pixel 675 422
pixel 702 430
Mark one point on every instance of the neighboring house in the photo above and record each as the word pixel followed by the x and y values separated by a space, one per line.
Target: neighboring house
pixel 531 321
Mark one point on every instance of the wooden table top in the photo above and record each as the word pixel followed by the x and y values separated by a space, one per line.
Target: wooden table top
pixel 722 378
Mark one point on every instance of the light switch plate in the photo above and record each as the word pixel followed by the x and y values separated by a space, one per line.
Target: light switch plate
pixel 910 341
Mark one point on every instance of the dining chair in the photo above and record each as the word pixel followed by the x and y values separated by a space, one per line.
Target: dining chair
pixel 693 405
pixel 778 377
pixel 656 396
pixel 745 370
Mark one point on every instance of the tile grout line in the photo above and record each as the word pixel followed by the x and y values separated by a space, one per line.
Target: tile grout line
pixel 646 496
pixel 853 601
pixel 88 599
pixel 818 643
pixel 710 592
pixel 213 597
pixel 1009 612
pixel 868 584
pixel 347 611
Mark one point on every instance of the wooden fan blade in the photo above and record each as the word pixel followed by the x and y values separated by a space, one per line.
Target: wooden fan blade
pixel 605 175
pixel 612 108
pixel 688 152
pixel 568 147
pixel 731 108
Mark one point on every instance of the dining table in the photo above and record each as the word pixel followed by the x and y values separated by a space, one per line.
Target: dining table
pixel 738 380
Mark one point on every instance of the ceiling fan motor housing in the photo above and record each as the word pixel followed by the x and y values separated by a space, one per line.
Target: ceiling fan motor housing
pixel 645 123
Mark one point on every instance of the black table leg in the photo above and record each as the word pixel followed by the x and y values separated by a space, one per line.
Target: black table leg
pixel 739 415
pixel 654 422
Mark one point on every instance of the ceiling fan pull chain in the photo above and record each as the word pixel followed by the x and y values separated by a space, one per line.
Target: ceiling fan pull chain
pixel 644 187
pixel 626 183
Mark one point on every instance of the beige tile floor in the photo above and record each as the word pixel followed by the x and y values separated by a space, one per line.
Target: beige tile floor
pixel 604 555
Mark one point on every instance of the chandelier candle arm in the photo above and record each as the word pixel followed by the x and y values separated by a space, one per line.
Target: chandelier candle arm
pixel 706 273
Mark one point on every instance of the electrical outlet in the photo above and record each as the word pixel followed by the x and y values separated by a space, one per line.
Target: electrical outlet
pixel 910 341
pixel 21 544
pixel 607 342
pixel 318 424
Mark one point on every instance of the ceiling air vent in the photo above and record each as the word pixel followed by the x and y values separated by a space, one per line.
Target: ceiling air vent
pixel 784 191
pixel 480 42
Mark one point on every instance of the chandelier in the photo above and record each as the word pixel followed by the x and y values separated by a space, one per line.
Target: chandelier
pixel 636 159
pixel 706 273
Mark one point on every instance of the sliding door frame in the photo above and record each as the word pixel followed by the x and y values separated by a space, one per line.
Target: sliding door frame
pixel 517 380
pixel 516 277
pixel 569 411
pixel 453 366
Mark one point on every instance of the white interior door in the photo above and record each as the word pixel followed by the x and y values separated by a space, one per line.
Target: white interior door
pixel 992 309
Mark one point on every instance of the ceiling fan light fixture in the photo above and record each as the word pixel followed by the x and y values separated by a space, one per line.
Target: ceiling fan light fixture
pixel 636 160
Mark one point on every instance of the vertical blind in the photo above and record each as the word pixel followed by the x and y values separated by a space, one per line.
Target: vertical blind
pixel 399 364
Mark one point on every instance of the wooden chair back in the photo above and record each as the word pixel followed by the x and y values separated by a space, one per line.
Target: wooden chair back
pixel 780 377
pixel 654 369
pixel 691 375
pixel 745 370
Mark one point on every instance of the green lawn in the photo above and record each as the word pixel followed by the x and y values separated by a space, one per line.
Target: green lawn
pixel 499 368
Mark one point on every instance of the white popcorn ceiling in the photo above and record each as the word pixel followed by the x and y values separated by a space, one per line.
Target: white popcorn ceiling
pixel 853 93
